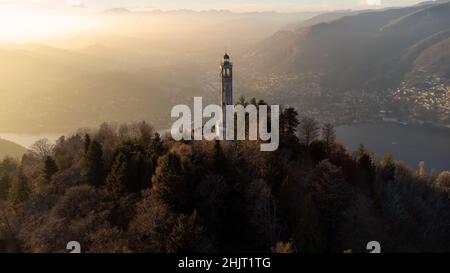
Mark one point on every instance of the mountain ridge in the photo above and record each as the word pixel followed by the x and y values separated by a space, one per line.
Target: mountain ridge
pixel 11 149
pixel 353 51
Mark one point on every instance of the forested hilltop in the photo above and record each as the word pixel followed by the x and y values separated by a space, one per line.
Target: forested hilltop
pixel 126 189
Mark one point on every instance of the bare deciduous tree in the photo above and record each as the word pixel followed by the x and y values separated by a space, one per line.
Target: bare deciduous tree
pixel 329 133
pixel 309 130
pixel 42 148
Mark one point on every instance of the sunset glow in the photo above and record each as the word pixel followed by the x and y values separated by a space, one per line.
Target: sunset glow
pixel 21 26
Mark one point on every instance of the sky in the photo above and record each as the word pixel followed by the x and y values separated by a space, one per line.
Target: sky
pixel 233 5
pixel 36 20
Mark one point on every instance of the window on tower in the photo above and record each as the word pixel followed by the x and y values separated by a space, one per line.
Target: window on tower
pixel 227 72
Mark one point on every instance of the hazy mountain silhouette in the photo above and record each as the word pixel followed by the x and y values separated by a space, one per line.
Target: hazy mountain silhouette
pixel 372 49
pixel 321 18
pixel 50 89
pixel 8 148
pixel 133 66
pixel 117 11
pixel 131 76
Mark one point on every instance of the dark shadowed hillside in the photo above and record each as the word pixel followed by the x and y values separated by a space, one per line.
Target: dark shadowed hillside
pixel 366 50
pixel 435 58
pixel 322 18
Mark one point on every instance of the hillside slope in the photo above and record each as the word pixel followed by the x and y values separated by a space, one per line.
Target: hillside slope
pixel 8 148
pixel 366 50
pixel 49 89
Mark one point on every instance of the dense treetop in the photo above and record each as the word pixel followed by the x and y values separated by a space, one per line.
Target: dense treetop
pixel 127 189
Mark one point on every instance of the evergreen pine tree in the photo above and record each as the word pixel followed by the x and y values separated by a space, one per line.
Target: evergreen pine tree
pixel 7 169
pixel 273 172
pixel 329 136
pixel 155 150
pixel 87 143
pixel 50 168
pixel 218 159
pixel 145 131
pixel 388 168
pixel 131 169
pixel 5 184
pixel 288 128
pixel 186 235
pixel 20 189
pixel 366 163
pixel 170 184
pixel 93 168
pixel 117 179
pixel 331 196
pixel 289 122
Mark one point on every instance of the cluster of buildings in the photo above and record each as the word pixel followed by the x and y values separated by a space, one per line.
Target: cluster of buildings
pixel 427 100
pixel 422 98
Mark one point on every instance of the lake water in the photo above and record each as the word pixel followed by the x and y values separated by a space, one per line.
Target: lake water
pixel 410 144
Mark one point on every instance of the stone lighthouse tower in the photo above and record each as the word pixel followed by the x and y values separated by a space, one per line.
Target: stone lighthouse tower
pixel 226 73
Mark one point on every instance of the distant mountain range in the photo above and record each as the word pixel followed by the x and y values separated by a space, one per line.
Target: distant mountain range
pixel 213 12
pixel 322 18
pixel 128 76
pixel 361 50
pixel 48 89
pixel 124 73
